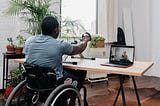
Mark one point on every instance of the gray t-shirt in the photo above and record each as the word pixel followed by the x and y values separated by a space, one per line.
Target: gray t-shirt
pixel 46 51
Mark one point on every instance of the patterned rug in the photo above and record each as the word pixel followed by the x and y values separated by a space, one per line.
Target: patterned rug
pixel 148 97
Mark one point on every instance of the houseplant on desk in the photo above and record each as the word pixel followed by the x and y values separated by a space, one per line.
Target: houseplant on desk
pixel 20 45
pixel 97 41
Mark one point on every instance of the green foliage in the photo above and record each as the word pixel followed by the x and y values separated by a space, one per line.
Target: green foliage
pixel 32 11
pixel 96 37
pixel 71 28
pixel 21 40
pixel 10 40
pixel 15 76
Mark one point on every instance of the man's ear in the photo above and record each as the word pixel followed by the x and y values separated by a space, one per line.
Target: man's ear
pixel 56 30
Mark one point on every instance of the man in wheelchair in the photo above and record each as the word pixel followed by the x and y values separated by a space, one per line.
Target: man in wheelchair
pixel 46 50
pixel 44 70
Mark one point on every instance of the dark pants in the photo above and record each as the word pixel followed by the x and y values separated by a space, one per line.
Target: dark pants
pixel 78 75
pixel 75 75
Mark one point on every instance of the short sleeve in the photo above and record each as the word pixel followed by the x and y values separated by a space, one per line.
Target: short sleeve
pixel 27 44
pixel 66 47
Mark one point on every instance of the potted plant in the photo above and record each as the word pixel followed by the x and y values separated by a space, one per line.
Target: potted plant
pixel 71 28
pixel 15 79
pixel 10 47
pixel 20 45
pixel 97 41
pixel 31 11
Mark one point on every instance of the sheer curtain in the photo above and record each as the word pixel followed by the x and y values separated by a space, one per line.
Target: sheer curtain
pixel 108 19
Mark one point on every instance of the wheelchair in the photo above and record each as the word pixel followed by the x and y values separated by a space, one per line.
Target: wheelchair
pixel 39 88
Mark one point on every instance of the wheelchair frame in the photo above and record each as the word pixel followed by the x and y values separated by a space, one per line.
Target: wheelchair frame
pixel 56 95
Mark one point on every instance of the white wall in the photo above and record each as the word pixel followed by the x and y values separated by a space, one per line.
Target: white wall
pixel 8 27
pixel 155 24
pixel 146 22
pixel 122 4
pixel 140 11
pixel 142 28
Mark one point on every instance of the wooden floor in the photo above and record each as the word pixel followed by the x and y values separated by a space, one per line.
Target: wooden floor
pixel 142 82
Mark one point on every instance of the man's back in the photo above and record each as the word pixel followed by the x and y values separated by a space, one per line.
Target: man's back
pixel 46 51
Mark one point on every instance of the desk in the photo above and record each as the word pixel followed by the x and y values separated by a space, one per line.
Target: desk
pixel 137 69
pixel 6 57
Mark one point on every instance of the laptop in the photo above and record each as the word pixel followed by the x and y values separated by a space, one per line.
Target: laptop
pixel 121 56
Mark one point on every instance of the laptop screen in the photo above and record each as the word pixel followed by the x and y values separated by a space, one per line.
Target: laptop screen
pixel 120 54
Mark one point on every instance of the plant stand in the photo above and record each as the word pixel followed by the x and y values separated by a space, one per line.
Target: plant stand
pixel 6 58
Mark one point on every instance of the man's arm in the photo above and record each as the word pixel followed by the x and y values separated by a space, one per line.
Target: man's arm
pixel 81 47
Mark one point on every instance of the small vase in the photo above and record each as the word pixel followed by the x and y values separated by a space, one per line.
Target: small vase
pixel 100 44
pixel 10 49
pixel 19 50
pixel 8 90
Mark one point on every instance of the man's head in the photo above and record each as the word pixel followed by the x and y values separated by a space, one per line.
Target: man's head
pixel 50 26
pixel 124 52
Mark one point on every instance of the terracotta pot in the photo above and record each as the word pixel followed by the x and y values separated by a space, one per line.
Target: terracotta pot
pixel 9 89
pixel 100 44
pixel 19 50
pixel 10 49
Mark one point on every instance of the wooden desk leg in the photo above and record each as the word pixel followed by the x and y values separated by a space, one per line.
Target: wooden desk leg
pixel 122 91
pixel 135 88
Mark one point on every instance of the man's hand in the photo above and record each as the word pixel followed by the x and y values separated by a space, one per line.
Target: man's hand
pixel 78 49
pixel 86 36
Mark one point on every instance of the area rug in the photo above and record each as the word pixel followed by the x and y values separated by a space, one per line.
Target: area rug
pixel 148 97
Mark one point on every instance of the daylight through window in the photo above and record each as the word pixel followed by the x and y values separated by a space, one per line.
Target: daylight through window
pixel 77 17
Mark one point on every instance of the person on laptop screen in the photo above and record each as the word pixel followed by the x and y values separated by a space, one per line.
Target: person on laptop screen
pixel 124 55
pixel 125 58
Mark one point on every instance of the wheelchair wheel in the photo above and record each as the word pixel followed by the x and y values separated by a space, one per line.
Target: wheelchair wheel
pixel 17 95
pixel 64 95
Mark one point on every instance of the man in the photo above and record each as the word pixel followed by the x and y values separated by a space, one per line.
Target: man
pixel 124 55
pixel 46 50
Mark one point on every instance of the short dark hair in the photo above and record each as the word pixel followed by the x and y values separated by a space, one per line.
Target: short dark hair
pixel 48 24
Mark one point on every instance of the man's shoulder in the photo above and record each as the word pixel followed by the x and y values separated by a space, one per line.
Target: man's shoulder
pixel 30 38
pixel 62 41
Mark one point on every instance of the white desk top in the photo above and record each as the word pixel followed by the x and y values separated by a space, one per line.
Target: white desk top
pixel 137 69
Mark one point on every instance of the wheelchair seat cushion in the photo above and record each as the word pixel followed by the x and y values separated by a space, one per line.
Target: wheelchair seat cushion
pixel 40 77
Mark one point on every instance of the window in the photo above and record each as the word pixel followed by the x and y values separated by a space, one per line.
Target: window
pixel 77 17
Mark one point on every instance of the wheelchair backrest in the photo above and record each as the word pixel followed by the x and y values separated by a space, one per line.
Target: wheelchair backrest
pixel 40 77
